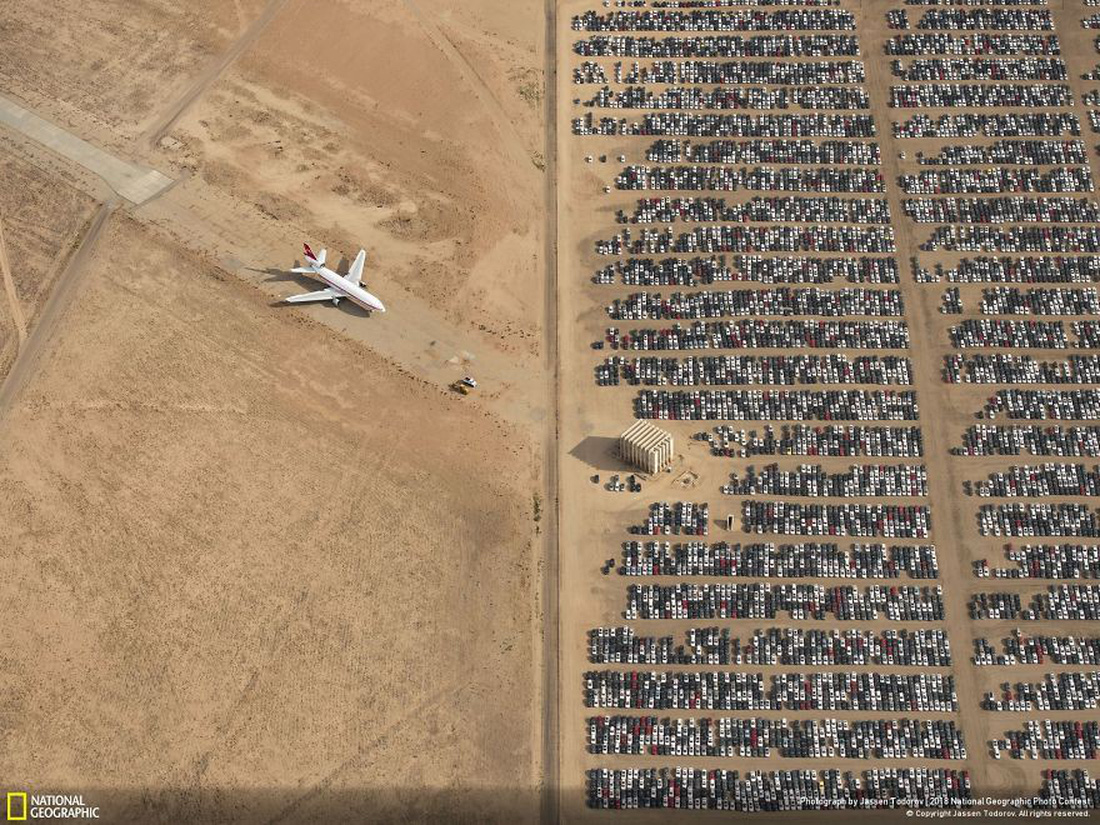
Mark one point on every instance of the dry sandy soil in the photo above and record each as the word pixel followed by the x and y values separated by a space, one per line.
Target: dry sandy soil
pixel 262 565
pixel 87 62
pixel 233 564
pixel 445 187
pixel 41 219
pixel 416 135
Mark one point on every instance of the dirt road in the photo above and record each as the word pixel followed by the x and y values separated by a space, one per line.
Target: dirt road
pixel 53 310
pixel 551 686
pixel 9 287
pixel 159 128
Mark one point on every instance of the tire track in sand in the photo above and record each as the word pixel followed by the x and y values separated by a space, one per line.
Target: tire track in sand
pixel 53 310
pixel 159 128
pixel 9 287
pixel 511 139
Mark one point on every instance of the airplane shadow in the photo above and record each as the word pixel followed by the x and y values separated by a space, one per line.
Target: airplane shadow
pixel 276 275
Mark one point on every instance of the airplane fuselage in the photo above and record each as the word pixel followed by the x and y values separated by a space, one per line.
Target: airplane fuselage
pixel 356 294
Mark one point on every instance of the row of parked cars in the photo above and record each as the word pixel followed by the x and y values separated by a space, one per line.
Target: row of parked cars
pixel 1047 561
pixel 743 238
pixel 890 520
pixel 773 370
pixel 1073 602
pixel 1014 209
pixel 777 405
pixel 902 603
pixel 712 72
pixel 831 152
pixel 1013 239
pixel 1050 739
pixel 986 43
pixel 1028 649
pixel 701 789
pixel 740 690
pixel 788 269
pixel 1088 334
pixel 865 302
pixel 980 95
pixel 695 98
pixel 1014 152
pixel 1000 124
pixel 997 181
pixel 703 646
pixel 986 19
pixel 1065 405
pixel 980 68
pixel 1054 269
pixel 1069 789
pixel 814 480
pixel 1055 691
pixel 765 738
pixel 716 124
pixel 682 518
pixel 1031 439
pixel 773 646
pixel 779 209
pixel 837 440
pixel 767 560
pixel 763 334
pixel 1041 300
pixel 1035 519
pixel 1003 333
pixel 1002 368
pixel 1038 480
pixel 743 19
pixel 922 647
pixel 851 180
pixel 736 45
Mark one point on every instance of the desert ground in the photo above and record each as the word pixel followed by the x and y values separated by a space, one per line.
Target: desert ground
pixel 263 565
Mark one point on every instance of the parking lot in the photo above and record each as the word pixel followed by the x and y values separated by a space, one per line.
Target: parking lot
pixel 876 228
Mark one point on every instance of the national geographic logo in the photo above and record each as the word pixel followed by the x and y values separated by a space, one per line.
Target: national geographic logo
pixel 17 806
pixel 21 806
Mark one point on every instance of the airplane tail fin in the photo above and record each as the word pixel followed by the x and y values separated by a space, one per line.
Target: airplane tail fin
pixel 315 260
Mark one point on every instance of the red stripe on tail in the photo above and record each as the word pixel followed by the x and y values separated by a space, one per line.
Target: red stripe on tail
pixel 309 252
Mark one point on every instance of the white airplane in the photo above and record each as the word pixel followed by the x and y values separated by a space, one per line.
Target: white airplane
pixel 338 286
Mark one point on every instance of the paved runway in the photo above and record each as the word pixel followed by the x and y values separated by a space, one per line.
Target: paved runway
pixel 134 182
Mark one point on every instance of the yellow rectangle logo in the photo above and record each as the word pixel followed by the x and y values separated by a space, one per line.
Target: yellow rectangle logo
pixel 20 810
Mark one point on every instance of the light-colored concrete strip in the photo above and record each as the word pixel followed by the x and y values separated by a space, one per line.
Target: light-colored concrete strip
pixel 132 181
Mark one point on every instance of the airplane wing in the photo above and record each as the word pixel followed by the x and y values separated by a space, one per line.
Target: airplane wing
pixel 355 274
pixel 319 295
